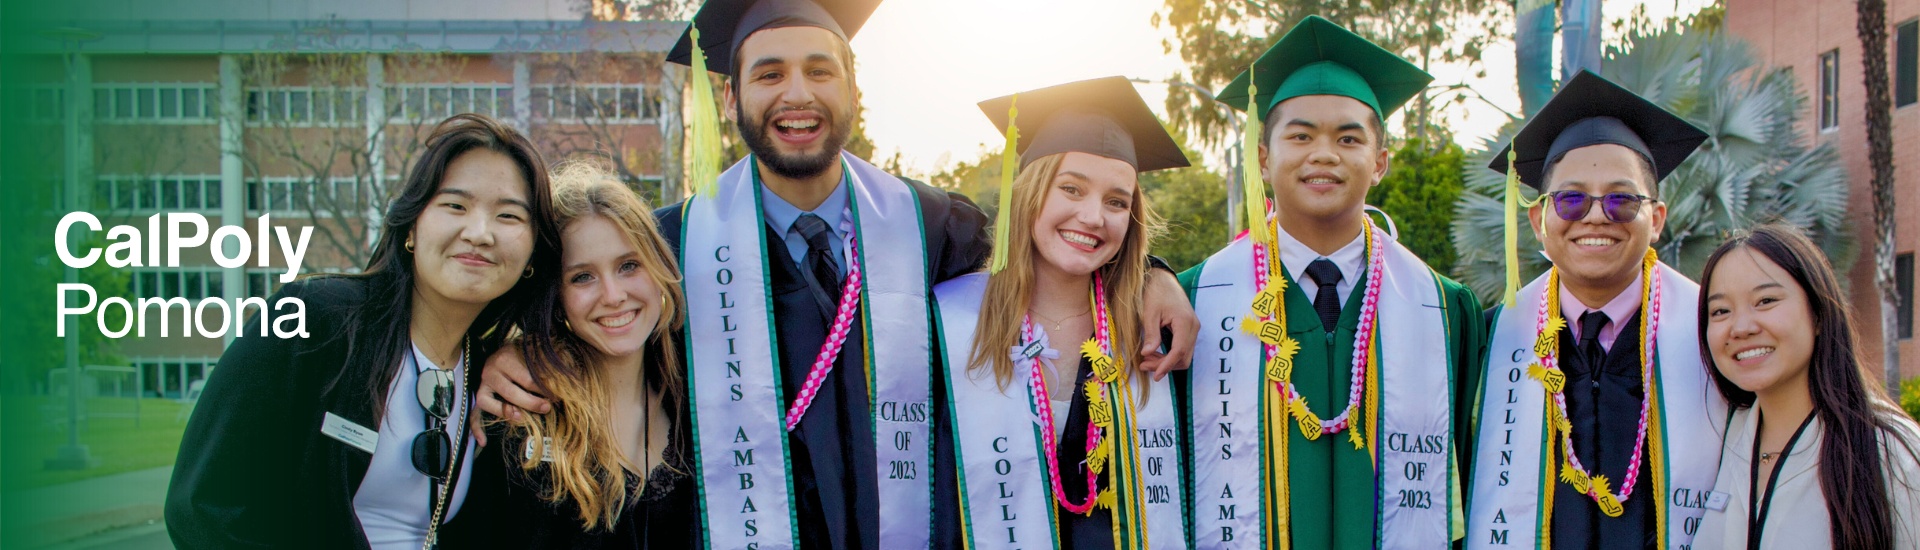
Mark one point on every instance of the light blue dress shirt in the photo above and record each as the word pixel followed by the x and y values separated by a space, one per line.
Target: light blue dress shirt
pixel 781 214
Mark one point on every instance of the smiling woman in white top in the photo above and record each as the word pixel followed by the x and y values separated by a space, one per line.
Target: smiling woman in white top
pixel 1816 455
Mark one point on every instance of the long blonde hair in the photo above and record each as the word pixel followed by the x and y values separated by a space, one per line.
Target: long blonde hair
pixel 1010 292
pixel 587 464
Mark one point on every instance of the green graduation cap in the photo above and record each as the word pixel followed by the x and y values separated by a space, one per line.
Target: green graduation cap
pixel 1318 57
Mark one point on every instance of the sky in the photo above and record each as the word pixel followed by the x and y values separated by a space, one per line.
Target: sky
pixel 924 64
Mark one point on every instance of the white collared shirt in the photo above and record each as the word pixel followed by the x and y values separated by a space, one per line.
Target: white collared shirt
pixel 392 502
pixel 1351 259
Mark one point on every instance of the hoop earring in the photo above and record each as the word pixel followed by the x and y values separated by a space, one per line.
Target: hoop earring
pixel 409 245
pixel 528 274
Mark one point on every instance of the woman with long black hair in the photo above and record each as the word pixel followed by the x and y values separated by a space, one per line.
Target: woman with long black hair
pixel 341 438
pixel 1816 455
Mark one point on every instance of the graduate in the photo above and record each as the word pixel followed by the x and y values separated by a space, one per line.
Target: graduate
pixel 1323 392
pixel 1060 442
pixel 1599 427
pixel 808 275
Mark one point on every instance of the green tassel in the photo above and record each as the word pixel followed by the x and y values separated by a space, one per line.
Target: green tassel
pixel 703 124
pixel 1255 189
pixel 1512 232
pixel 1009 165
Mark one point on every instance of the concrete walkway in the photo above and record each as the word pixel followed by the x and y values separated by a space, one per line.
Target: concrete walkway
pixel 60 513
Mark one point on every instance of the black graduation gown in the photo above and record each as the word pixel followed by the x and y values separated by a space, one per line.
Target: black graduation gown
pixel 505 509
pixel 832 450
pixel 254 471
pixel 1603 402
pixel 1094 530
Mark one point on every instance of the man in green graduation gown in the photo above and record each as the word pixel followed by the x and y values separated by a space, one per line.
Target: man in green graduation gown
pixel 1296 443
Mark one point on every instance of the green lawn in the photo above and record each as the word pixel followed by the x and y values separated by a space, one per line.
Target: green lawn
pixel 34 429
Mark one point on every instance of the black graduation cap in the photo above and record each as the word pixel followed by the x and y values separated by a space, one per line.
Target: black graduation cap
pixel 724 24
pixel 1102 116
pixel 1590 110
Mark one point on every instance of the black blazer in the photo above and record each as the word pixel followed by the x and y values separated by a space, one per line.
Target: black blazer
pixel 254 470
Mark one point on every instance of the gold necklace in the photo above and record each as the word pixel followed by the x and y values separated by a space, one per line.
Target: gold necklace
pixel 1056 324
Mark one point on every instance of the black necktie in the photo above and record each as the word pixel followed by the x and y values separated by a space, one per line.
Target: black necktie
pixel 1326 301
pixel 822 272
pixel 1590 323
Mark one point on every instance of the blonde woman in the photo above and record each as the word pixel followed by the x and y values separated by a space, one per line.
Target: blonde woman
pixel 605 468
pixel 1059 440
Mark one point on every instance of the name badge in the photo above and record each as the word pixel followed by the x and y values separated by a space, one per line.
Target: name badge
pixel 546 449
pixel 346 431
pixel 1717 501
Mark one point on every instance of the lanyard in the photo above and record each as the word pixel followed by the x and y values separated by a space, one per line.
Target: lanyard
pixel 1758 506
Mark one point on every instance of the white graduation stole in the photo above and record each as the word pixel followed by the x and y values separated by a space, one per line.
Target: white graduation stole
pixel 1412 444
pixel 745 478
pixel 1006 499
pixel 1510 468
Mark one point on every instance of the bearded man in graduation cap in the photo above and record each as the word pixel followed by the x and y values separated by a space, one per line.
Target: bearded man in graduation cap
pixel 807 273
pixel 1323 390
pixel 1599 427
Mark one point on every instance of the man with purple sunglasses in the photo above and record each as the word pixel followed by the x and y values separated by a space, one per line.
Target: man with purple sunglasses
pixel 1597 426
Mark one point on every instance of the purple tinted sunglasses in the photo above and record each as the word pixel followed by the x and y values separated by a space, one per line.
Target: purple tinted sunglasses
pixel 1618 207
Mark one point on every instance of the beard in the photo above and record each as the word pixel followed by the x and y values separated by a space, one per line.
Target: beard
pixel 799 166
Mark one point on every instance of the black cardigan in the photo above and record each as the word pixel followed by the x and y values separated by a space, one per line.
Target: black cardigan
pixel 254 471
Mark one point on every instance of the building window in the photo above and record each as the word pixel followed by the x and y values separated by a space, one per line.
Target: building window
pixel 298 195
pixel 302 106
pixel 1903 284
pixel 1830 90
pixel 1906 54
pixel 150 103
pixel 190 283
pixel 157 193
pixel 619 103
pixel 433 102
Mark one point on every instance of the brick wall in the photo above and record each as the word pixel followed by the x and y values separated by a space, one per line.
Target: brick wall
pixel 1793 34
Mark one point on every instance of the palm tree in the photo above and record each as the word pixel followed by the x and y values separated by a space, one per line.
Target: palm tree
pixel 1754 168
pixel 1871 23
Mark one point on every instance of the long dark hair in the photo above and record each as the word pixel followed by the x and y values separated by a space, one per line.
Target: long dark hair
pixel 1853 412
pixel 384 319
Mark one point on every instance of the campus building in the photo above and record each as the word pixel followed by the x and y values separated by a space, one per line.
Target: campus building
pixel 1818 41
pixel 311 111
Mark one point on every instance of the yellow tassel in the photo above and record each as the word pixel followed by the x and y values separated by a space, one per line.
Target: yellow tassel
pixel 1009 165
pixel 1353 436
pixel 1105 500
pixel 703 125
pixel 1255 189
pixel 1512 232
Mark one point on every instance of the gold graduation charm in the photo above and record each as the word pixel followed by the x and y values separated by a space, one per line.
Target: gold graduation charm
pixel 1576 478
pixel 1099 411
pixel 1309 424
pixel 1103 367
pixel 1264 303
pixel 1270 332
pixel 1553 379
pixel 1549 341
pixel 1097 458
pixel 1609 505
pixel 1280 366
